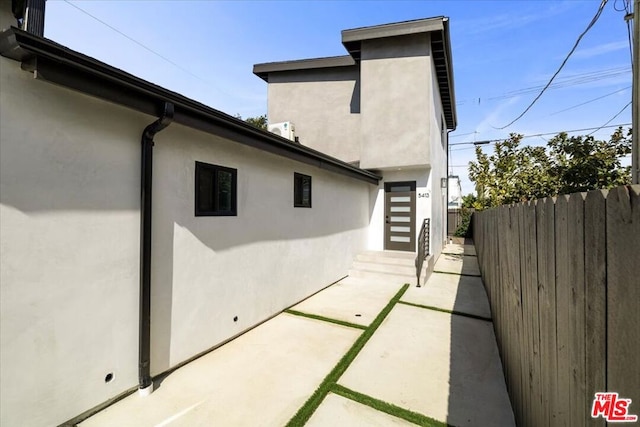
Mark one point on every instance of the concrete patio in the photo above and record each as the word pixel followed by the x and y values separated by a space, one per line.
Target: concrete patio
pixel 380 353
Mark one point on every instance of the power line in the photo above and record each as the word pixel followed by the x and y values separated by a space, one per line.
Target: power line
pixel 159 55
pixel 605 126
pixel 575 46
pixel 611 119
pixel 463 134
pixel 561 82
pixel 590 101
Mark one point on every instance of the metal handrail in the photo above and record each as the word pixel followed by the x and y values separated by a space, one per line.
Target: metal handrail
pixel 423 248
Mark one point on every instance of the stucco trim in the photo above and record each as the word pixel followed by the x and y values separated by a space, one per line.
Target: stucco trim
pixel 58 64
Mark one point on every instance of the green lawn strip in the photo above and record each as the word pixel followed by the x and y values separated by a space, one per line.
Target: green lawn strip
pixel 325 319
pixel 451 253
pixel 444 310
pixel 457 274
pixel 304 413
pixel 388 408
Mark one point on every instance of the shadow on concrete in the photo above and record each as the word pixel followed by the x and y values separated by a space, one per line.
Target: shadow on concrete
pixel 477 389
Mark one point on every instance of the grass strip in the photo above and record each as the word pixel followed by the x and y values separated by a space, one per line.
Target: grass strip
pixel 457 274
pixel 444 310
pixel 451 253
pixel 325 319
pixel 304 413
pixel 388 408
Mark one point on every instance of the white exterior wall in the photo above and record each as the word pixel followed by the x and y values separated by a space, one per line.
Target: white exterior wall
pixel 207 270
pixel 69 247
pixel 438 146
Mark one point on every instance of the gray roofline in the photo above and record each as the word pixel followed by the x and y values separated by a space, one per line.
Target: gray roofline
pixel 263 70
pixel 352 39
pixel 58 64
pixel 393 30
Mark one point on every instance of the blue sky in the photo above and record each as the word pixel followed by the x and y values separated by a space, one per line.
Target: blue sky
pixel 503 52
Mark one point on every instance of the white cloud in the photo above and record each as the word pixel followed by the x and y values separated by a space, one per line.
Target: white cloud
pixel 601 49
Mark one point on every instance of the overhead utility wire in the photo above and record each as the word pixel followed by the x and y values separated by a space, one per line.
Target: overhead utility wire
pixel 547 133
pixel 560 83
pixel 575 46
pixel 611 119
pixel 591 100
pixel 139 44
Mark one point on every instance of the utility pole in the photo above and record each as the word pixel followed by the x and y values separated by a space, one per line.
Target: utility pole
pixel 635 100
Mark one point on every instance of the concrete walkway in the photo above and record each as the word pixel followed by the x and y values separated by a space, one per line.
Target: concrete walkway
pixel 368 351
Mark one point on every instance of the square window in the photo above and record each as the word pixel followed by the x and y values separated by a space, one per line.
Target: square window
pixel 301 190
pixel 216 190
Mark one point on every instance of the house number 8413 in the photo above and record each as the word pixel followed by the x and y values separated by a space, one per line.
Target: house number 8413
pixel 421 195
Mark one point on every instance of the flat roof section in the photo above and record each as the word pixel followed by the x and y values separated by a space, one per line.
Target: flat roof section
pixel 263 70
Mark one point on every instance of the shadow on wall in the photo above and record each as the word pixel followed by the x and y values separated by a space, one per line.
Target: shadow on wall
pixel 477 391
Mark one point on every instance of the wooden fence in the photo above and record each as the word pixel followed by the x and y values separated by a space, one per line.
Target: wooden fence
pixel 563 279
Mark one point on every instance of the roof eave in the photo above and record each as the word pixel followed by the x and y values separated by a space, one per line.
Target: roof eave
pixel 263 70
pixel 60 65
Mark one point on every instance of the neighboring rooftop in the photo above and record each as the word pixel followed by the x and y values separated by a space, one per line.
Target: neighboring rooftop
pixel 438 29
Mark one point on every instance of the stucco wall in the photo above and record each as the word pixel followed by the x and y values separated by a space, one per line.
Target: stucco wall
pixel 69 246
pixel 323 104
pixel 438 155
pixel 396 102
pixel 208 270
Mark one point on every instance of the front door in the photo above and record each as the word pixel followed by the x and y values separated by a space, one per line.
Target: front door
pixel 400 216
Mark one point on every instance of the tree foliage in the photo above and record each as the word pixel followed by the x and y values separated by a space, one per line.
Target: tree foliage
pixel 569 164
pixel 259 121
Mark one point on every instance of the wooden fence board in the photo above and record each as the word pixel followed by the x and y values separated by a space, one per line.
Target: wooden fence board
pixel 525 338
pixel 547 305
pixel 531 303
pixel 513 265
pixel 575 238
pixel 595 258
pixel 562 311
pixel 623 293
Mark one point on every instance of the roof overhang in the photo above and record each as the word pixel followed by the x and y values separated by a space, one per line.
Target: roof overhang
pixel 263 70
pixel 55 63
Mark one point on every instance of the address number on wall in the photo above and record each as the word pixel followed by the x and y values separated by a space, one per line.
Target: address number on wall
pixel 423 195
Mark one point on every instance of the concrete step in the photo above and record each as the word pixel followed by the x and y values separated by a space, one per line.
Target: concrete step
pixel 383 267
pixel 382 257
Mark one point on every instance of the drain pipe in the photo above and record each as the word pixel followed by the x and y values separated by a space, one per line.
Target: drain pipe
pixel 145 386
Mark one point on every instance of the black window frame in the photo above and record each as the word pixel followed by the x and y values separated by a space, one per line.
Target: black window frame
pixel 298 199
pixel 201 166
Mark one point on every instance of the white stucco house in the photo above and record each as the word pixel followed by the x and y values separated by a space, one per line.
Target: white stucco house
pixel 139 228
pixel 386 106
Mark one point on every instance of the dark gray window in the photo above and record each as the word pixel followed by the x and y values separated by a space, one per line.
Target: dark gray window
pixel 301 190
pixel 216 190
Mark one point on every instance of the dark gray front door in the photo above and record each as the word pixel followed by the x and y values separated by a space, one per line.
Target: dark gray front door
pixel 400 216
